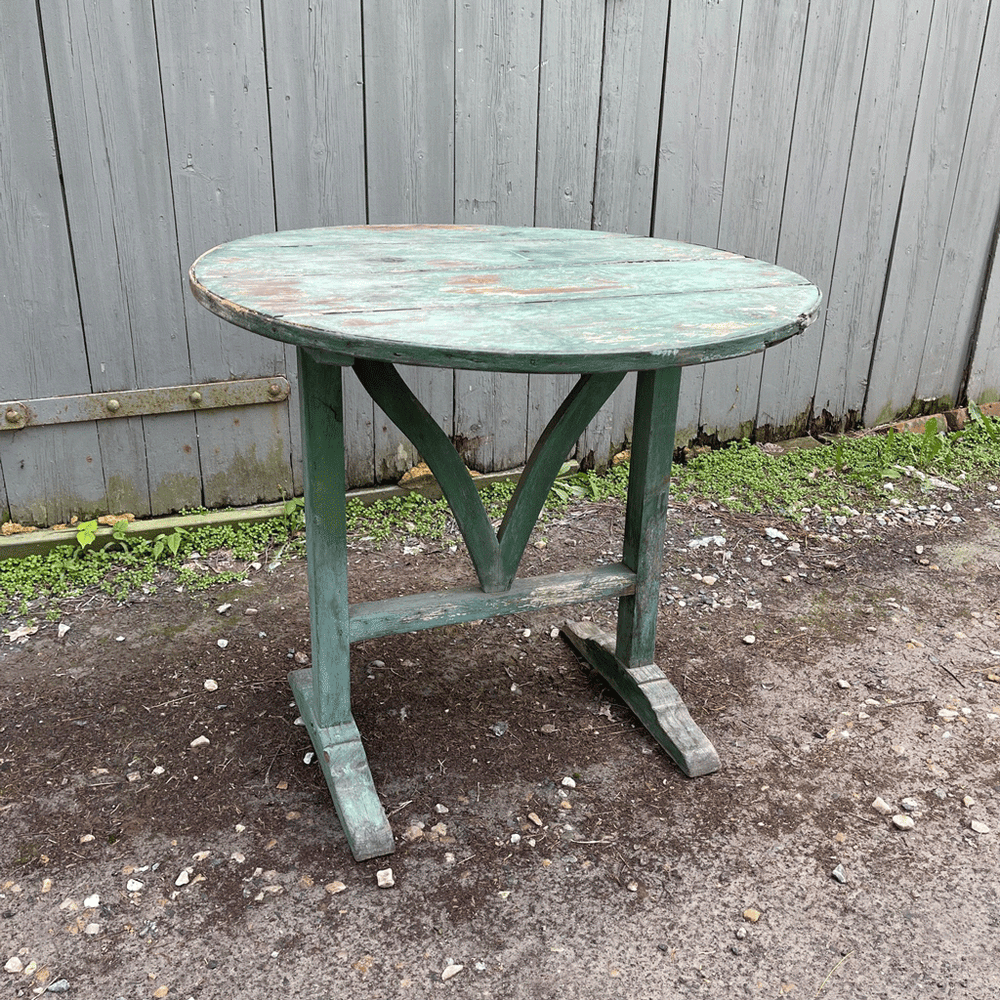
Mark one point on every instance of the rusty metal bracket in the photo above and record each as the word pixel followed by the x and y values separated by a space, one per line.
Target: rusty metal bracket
pixel 18 414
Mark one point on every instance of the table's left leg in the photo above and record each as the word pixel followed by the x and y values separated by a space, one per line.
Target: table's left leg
pixel 323 693
pixel 626 661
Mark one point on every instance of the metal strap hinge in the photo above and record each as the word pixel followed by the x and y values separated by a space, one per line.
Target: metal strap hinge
pixel 142 402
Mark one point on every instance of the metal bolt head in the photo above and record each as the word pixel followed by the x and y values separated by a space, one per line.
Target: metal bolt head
pixel 274 389
pixel 13 417
pixel 195 397
pixel 113 406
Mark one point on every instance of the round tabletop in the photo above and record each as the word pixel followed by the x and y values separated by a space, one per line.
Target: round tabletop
pixel 502 299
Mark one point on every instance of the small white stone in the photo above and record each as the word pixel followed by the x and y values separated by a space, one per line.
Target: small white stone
pixel 200 741
pixel 910 805
pixel 452 970
pixel 134 885
pixel 749 639
pixel 568 783
pixel 211 684
pixel 844 685
pixel 968 801
pixel 709 581
pixel 159 769
pixel 62 630
pixel 92 929
pixel 309 757
pixel 902 822
pixel 979 827
pixel 223 608
pixel 91 901
pixel 183 878
pixel 222 643
pixel 385 878
pixel 441 810
pixel 947 713
pixel 515 838
pixel 14 966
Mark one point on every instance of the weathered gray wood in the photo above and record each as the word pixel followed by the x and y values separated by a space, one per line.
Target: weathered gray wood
pixel 654 700
pixel 767 78
pixel 345 767
pixel 829 90
pixel 109 117
pixel 315 73
pixel 223 188
pixel 984 368
pixel 697 104
pixel 410 126
pixel 928 195
pixel 497 46
pixel 884 123
pixel 448 607
pixel 971 227
pixel 569 103
pixel 631 90
pixel 47 474
pixel 646 512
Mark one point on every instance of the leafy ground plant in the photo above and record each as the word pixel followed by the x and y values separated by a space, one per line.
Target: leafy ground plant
pixel 851 473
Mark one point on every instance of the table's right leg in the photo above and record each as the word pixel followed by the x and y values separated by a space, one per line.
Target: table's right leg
pixel 323 693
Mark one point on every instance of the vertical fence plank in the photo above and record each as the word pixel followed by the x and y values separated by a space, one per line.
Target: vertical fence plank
pixel 47 474
pixel 631 88
pixel 702 47
pixel 109 116
pixel 984 368
pixel 832 69
pixel 883 126
pixel 951 327
pixel 767 80
pixel 568 104
pixel 409 108
pixel 315 75
pixel 931 175
pixel 496 116
pixel 215 105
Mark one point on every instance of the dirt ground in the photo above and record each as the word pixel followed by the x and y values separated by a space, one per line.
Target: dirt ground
pixel 133 865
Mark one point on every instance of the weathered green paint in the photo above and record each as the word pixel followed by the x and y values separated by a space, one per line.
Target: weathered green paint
pixel 499 300
pixel 175 492
pixel 447 607
pixel 565 426
pixel 476 297
pixel 646 511
pixel 345 767
pixel 651 697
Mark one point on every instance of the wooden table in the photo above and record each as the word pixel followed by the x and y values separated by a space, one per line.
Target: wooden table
pixel 500 300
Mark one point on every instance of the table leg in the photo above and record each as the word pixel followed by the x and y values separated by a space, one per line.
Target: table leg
pixel 323 693
pixel 626 661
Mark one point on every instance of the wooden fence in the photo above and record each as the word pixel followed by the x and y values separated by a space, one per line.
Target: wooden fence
pixel 857 143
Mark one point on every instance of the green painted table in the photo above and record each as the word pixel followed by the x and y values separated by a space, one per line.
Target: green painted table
pixel 501 300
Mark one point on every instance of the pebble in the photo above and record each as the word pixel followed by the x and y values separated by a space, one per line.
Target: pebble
pixel 222 643
pixel 92 901
pixel 14 966
pixel 741 933
pixel 499 728
pixel 413 833
pixel 902 822
pixel 301 657
pixel 534 819
pixel 441 810
pixel 910 805
pixel 709 581
pixel 568 783
pixel 183 878
pixel 839 875
pixel 334 887
pixel 843 684
pixel 92 929
pixel 979 827
pixel 749 639
pixel 200 741
pixel 211 685
pixel 880 805
pixel 452 970
pixel 751 916
pixel 59 986
pixel 62 630
pixel 223 608
pixel 86 838
pixel 968 800
pixel 947 713
pixel 385 878
pixel 133 885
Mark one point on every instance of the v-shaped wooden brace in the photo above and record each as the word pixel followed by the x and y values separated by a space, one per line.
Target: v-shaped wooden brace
pixel 495 555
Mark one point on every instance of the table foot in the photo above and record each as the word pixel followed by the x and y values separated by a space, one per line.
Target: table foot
pixel 345 767
pixel 651 696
